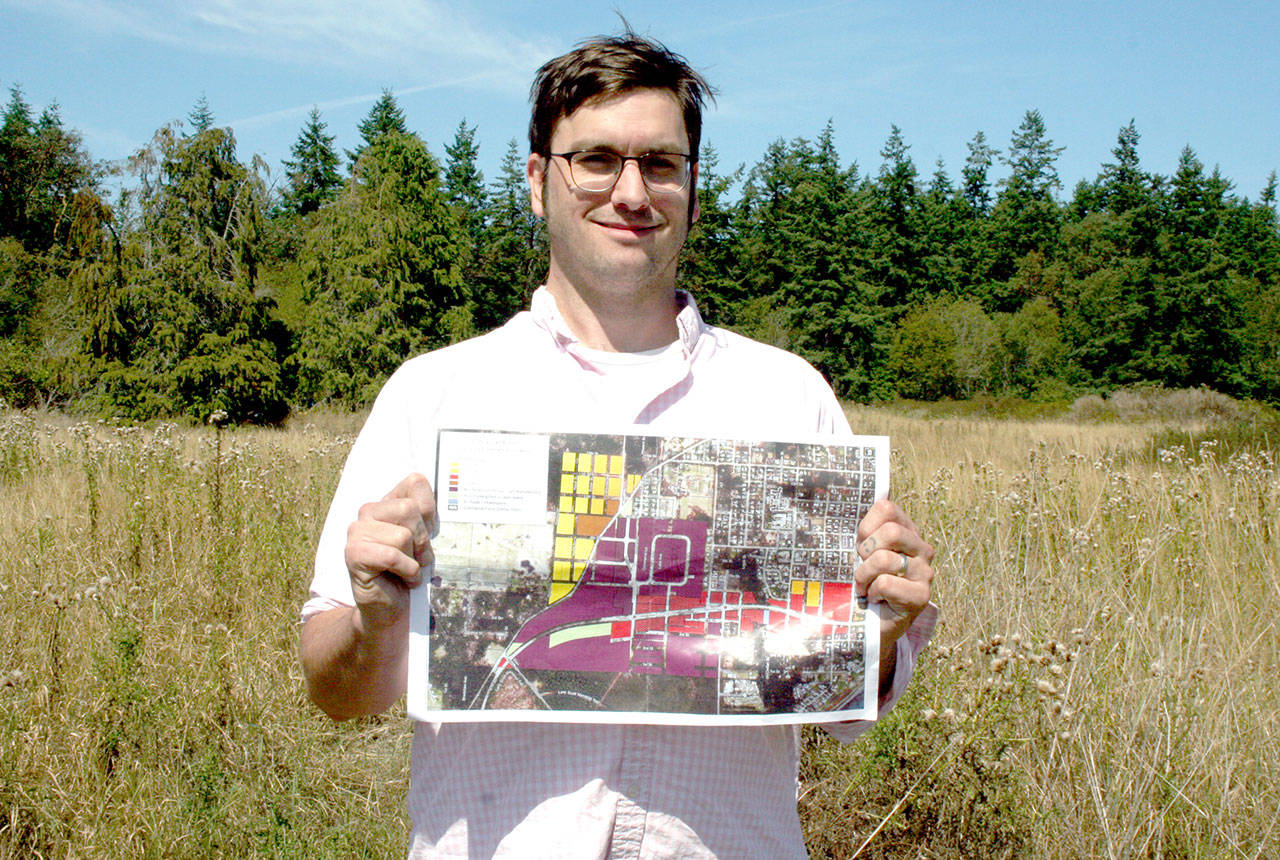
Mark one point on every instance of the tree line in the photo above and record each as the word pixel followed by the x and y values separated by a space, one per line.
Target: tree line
pixel 199 286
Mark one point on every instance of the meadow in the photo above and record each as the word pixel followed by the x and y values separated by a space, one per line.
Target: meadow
pixel 1103 682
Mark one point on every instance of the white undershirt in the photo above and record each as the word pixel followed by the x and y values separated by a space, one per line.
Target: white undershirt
pixel 619 374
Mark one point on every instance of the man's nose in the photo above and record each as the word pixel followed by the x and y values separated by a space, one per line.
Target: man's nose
pixel 630 191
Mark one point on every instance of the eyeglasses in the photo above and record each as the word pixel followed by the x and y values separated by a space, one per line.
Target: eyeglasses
pixel 596 170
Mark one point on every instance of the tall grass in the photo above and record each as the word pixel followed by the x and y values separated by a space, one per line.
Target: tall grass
pixel 1103 682
pixel 152 703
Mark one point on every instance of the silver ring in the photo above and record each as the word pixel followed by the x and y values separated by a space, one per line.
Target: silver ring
pixel 902 571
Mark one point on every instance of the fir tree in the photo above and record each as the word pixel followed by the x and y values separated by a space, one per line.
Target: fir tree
pixel 385 117
pixel 313 171
pixel 201 117
pixel 463 183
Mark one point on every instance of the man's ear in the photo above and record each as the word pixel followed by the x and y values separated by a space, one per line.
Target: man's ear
pixel 535 171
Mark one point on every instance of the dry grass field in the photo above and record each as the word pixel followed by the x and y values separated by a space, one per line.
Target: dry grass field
pixel 1104 682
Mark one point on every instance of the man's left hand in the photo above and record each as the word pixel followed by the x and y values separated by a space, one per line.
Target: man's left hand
pixel 896 570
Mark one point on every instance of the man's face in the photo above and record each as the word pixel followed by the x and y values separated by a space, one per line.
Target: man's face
pixel 627 238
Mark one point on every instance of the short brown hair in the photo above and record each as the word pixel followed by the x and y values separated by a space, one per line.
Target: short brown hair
pixel 608 66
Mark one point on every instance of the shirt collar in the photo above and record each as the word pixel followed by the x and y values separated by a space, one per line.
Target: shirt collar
pixel 546 314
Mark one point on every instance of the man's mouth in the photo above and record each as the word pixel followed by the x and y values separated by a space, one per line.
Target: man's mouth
pixel 632 229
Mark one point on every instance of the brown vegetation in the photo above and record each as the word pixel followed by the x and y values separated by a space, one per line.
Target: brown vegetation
pixel 1102 683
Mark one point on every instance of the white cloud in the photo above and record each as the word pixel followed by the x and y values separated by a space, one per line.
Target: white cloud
pixel 425 38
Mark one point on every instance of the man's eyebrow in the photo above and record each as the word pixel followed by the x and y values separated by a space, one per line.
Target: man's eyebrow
pixel 606 146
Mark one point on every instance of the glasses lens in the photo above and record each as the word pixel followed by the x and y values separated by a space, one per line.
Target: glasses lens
pixel 664 172
pixel 595 171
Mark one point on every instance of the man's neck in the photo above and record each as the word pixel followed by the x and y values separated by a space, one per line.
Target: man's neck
pixel 617 322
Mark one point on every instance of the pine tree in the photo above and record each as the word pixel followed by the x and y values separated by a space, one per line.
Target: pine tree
pixel 42 167
pixel 895 239
pixel 200 336
pixel 313 171
pixel 1032 160
pixel 463 187
pixel 16 135
pixel 708 263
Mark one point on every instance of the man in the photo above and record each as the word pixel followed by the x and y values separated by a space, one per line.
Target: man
pixel 608 341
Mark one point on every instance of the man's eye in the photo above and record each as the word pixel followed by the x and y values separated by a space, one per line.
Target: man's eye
pixel 662 163
pixel 603 161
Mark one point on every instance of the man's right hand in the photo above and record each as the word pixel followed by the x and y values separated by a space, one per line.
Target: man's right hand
pixel 388 548
pixel 356 657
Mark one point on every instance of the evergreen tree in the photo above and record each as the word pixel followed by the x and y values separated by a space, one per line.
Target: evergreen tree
pixel 709 262
pixel 974 182
pixel 513 254
pixel 1027 215
pixel 1123 183
pixel 201 117
pixel 385 117
pixel 383 279
pixel 199 336
pixel 42 167
pixel 463 183
pixel 896 252
pixel 313 171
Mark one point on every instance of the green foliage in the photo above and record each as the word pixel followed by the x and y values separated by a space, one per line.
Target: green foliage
pixel 313 171
pixel 42 166
pixel 19 275
pixel 189 291
pixel 922 357
pixel 511 254
pixel 382 274
pixel 385 117
pixel 190 332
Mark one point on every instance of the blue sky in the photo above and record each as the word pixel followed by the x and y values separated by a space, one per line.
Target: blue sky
pixel 1204 74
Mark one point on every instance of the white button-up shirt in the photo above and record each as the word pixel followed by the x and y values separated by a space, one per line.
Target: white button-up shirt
pixel 561 790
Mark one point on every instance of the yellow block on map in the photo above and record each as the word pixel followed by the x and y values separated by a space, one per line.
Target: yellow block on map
pixel 564 524
pixel 570 461
pixel 814 597
pixel 566 483
pixel 559 590
pixel 561 571
pixel 615 464
pixel 564 547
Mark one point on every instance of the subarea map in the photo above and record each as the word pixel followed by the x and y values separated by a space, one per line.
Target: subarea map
pixel 595 577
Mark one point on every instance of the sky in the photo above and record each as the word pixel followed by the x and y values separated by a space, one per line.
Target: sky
pixel 1204 74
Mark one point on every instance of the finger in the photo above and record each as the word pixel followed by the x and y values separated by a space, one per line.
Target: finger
pixel 375 546
pixel 903 598
pixel 882 513
pixel 368 561
pixel 401 513
pixel 883 562
pixel 417 489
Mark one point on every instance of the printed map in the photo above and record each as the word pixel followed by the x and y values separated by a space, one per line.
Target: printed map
pixel 591 577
